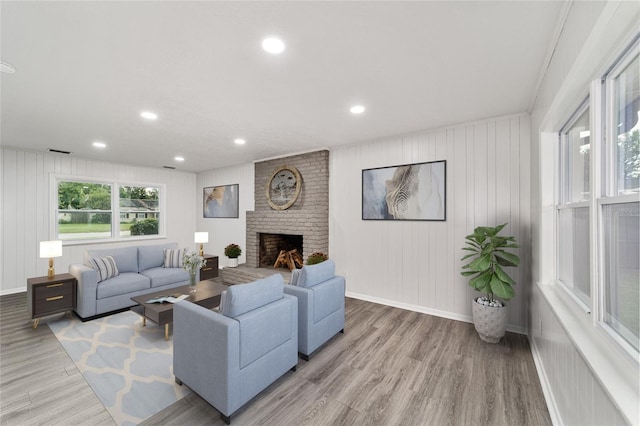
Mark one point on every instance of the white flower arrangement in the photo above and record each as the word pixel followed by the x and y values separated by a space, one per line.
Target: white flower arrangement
pixel 191 262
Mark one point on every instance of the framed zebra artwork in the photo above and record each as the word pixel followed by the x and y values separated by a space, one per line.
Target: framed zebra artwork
pixel 408 192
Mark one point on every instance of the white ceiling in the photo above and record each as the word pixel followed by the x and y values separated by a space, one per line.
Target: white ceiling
pixel 85 70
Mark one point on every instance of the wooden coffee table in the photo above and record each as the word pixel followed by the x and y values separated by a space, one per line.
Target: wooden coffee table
pixel 207 295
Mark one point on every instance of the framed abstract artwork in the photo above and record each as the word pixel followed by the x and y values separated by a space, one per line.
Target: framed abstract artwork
pixel 220 201
pixel 408 192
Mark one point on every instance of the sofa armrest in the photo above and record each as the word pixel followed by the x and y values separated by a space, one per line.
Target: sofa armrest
pixel 206 348
pixel 86 292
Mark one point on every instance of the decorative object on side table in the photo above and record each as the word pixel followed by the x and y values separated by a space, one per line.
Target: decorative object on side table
pixel 192 262
pixel 315 258
pixel 49 250
pixel 233 251
pixel 201 238
pixel 488 256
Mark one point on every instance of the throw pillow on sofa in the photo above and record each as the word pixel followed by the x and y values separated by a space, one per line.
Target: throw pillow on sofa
pixel 173 258
pixel 105 266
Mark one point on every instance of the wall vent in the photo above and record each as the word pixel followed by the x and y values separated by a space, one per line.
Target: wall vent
pixel 169 167
pixel 59 151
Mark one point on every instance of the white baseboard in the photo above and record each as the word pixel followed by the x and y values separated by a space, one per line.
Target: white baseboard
pixel 544 383
pixel 424 310
pixel 13 291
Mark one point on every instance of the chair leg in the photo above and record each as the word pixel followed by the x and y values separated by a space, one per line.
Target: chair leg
pixel 226 419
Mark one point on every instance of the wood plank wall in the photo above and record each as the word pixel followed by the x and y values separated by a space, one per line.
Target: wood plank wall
pixel 573 391
pixel 223 231
pixel 26 209
pixel 416 264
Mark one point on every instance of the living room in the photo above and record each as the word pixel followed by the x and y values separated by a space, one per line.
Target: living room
pixel 499 165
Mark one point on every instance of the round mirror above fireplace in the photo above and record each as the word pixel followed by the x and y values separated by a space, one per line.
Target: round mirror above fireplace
pixel 283 188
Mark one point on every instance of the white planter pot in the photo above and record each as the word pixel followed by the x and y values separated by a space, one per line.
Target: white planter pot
pixel 490 322
pixel 233 262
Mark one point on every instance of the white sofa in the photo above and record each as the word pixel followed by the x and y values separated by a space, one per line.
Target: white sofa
pixel 140 270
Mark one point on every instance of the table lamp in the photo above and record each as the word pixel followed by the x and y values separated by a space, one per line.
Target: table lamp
pixel 50 249
pixel 201 237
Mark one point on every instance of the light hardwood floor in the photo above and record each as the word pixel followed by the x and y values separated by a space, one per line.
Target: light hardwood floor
pixel 391 367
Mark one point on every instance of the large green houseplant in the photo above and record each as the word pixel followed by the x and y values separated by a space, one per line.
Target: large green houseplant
pixel 488 256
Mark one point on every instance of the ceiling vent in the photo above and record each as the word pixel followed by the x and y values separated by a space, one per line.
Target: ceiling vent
pixel 59 151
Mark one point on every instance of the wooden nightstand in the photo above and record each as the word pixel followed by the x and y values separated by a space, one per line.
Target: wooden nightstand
pixel 211 270
pixel 47 296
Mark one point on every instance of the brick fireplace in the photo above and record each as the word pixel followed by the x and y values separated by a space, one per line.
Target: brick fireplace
pixel 307 218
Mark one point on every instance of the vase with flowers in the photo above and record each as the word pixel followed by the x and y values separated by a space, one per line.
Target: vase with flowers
pixel 192 262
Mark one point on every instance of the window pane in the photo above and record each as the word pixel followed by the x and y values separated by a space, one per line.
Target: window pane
pixel 573 254
pixel 627 93
pixel 622 268
pixel 139 210
pixel 577 152
pixel 84 210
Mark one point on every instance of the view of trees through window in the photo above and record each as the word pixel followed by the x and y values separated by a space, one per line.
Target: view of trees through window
pixel 86 210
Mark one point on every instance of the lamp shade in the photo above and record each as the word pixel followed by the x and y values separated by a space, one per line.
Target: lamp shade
pixel 201 237
pixel 49 249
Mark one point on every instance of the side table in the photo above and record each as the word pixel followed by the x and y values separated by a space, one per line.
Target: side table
pixel 210 271
pixel 47 296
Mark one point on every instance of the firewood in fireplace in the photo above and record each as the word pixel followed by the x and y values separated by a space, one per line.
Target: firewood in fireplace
pixel 289 259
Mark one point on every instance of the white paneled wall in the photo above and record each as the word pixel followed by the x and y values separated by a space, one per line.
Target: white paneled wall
pixel 416 264
pixel 26 209
pixel 574 389
pixel 223 231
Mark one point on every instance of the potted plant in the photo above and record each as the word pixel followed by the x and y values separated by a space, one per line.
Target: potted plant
pixel 233 251
pixel 315 258
pixel 487 258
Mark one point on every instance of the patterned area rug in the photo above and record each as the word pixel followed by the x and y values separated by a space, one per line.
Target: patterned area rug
pixel 129 367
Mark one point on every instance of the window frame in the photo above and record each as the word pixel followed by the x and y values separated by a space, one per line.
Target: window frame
pixel 563 200
pixel 115 209
pixel 607 176
pixel 603 191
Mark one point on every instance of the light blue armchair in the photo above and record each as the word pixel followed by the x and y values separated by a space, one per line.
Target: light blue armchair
pixel 320 294
pixel 229 357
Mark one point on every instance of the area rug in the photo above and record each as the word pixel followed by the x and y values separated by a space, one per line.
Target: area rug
pixel 129 367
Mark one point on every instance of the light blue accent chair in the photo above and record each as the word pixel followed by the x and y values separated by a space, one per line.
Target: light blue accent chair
pixel 229 357
pixel 320 294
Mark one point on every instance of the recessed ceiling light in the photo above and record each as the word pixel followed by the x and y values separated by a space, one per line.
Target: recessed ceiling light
pixel 273 45
pixel 239 141
pixel 8 68
pixel 357 109
pixel 148 115
pixel 179 158
pixel 98 144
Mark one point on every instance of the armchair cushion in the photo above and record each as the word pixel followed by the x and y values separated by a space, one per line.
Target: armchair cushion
pixel 311 275
pixel 242 298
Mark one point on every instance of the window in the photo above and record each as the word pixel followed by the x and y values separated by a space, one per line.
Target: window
pixel 620 202
pixel 599 180
pixel 84 210
pixel 87 210
pixel 573 210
